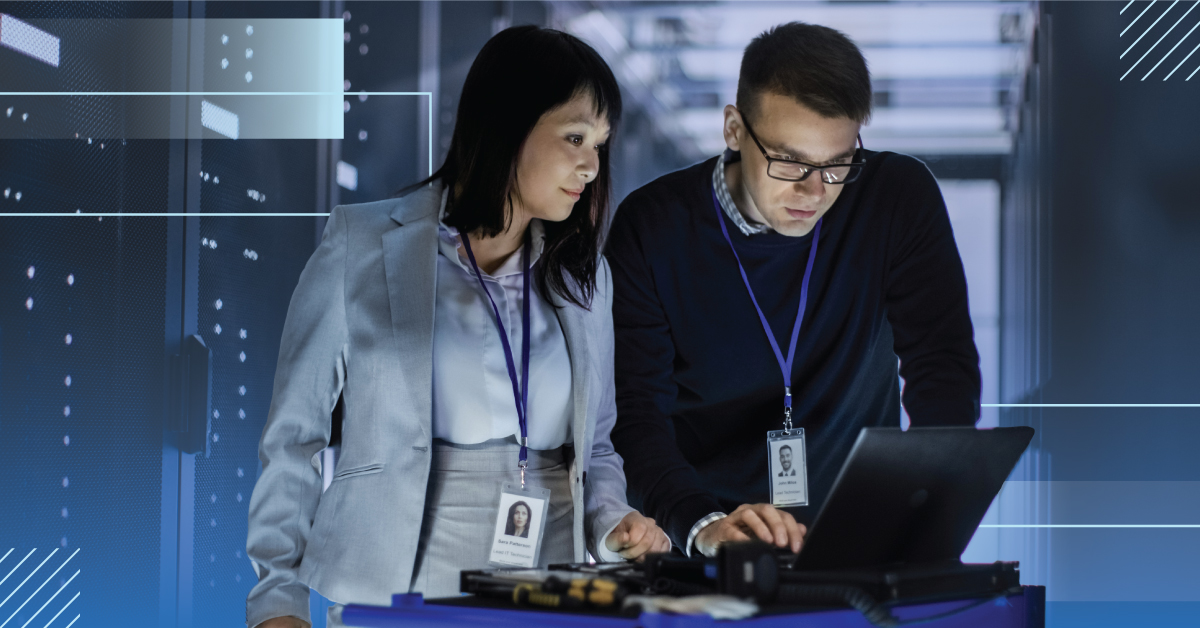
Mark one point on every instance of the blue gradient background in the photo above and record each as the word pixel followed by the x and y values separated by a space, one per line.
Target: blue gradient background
pixel 1098 283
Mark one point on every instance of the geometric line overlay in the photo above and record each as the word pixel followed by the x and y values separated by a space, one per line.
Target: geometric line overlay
pixel 1090 405
pixel 340 166
pixel 1171 51
pixel 1086 525
pixel 39 589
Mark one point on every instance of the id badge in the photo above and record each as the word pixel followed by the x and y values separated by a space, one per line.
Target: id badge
pixel 787 467
pixel 520 523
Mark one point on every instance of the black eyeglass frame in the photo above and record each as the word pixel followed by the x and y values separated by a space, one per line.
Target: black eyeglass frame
pixel 855 166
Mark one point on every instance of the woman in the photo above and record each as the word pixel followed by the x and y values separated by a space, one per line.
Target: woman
pixel 419 313
pixel 518 520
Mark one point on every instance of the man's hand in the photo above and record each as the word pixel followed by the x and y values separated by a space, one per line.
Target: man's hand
pixel 637 536
pixel 284 622
pixel 752 520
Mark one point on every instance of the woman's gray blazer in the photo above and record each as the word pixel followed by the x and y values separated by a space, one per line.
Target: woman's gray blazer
pixel 360 324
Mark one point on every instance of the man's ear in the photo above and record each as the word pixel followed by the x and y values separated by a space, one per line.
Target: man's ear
pixel 732 128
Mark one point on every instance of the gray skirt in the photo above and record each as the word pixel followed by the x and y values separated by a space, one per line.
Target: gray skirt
pixel 460 512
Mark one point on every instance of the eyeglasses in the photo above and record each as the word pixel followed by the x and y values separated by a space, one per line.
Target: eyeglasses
pixel 789 170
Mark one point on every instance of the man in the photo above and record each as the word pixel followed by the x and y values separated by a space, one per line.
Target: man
pixel 785 462
pixel 774 287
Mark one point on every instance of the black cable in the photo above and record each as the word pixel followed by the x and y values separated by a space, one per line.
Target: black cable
pixel 963 609
pixel 854 597
pixel 667 586
pixel 832 595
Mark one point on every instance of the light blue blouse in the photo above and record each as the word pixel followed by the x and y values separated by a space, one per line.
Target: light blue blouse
pixel 472 393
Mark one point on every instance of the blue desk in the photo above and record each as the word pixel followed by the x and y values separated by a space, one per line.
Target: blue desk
pixel 1022 610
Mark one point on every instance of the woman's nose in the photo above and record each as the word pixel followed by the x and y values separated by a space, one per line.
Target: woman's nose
pixel 590 167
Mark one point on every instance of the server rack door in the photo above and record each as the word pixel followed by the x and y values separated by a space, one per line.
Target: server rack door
pixel 83 322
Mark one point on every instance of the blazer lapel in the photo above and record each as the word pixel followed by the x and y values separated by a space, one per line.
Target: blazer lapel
pixel 410 266
pixel 574 326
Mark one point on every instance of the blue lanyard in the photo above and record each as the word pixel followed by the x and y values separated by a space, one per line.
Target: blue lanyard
pixel 520 388
pixel 784 365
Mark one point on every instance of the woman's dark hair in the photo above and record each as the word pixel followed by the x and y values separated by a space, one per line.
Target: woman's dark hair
pixel 816 66
pixel 510 528
pixel 520 74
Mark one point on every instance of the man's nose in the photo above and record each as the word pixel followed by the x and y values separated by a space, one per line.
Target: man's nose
pixel 812 186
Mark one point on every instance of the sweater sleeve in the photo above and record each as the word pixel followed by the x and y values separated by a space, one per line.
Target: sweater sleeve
pixel 662 483
pixel 927 304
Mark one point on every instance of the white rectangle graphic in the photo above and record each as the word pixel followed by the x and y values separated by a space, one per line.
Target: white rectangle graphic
pixel 220 120
pixel 29 40
pixel 347 176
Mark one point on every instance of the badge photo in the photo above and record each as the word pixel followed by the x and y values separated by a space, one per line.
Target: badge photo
pixel 520 521
pixel 787 467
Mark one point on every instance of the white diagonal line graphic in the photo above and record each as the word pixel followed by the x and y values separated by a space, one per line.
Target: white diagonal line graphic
pixel 1169 52
pixel 1126 7
pixel 1192 74
pixel 19 564
pixel 1164 36
pixel 60 613
pixel 1138 17
pixel 28 577
pixel 1135 42
pixel 40 588
pixel 6 555
pixel 64 585
pixel 1189 56
pixel 76 617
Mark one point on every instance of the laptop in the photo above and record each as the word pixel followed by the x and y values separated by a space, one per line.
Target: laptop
pixel 910 497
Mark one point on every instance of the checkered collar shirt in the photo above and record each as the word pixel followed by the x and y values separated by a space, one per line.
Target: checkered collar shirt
pixel 726 200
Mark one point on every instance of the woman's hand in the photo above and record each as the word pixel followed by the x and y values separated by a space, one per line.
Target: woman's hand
pixel 637 536
pixel 284 622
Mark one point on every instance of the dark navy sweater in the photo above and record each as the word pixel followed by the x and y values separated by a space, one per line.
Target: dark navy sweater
pixel 698 386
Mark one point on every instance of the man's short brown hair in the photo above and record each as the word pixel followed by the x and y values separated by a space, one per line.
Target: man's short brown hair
pixel 816 66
